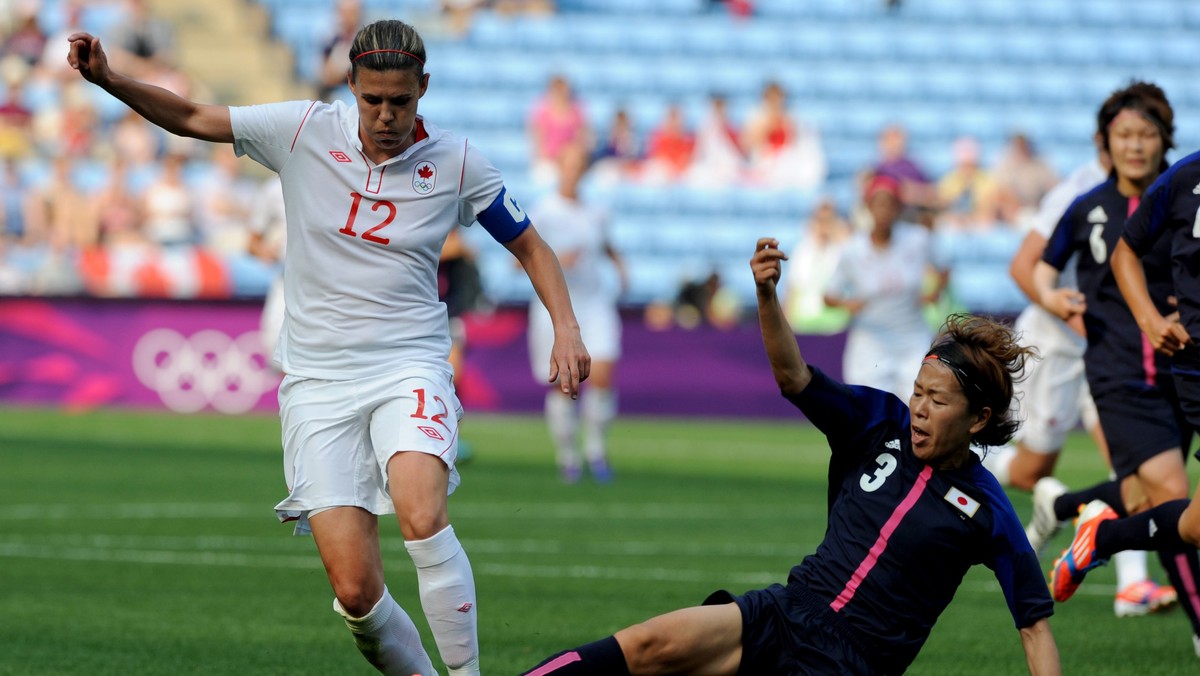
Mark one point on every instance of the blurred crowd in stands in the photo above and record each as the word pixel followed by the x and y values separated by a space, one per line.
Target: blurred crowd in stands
pixel 95 201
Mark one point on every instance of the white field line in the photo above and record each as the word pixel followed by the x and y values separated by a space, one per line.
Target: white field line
pixel 171 551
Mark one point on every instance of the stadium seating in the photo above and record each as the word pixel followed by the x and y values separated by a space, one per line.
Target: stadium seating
pixel 943 68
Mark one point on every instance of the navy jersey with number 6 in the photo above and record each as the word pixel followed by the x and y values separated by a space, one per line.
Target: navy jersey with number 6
pixel 1171 207
pixel 901 534
pixel 1118 355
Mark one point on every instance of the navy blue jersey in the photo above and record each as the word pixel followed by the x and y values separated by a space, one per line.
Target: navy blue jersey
pixel 1172 204
pixel 1118 354
pixel 901 534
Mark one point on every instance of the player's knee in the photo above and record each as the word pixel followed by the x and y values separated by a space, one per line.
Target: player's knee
pixel 1189 526
pixel 422 522
pixel 356 597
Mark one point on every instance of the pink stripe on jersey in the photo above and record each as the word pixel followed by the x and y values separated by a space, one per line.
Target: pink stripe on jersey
pixel 1189 583
pixel 302 121
pixel 1148 360
pixel 881 544
pixel 556 664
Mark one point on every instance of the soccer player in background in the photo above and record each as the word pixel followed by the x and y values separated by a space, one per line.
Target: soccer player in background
pixel 1054 396
pixel 578 233
pixel 369 414
pixel 910 510
pixel 1167 211
pixel 1147 434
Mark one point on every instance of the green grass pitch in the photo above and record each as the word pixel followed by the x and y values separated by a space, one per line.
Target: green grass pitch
pixel 145 543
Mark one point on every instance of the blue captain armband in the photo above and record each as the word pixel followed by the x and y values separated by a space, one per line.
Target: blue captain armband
pixel 504 219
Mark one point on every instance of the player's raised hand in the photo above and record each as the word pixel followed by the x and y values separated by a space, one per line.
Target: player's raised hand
pixel 87 56
pixel 570 363
pixel 767 264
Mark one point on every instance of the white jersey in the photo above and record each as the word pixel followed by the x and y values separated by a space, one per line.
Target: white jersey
pixel 578 233
pixel 1038 326
pixel 889 280
pixel 363 239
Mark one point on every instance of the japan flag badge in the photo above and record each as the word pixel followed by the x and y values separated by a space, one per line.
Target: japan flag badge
pixel 965 503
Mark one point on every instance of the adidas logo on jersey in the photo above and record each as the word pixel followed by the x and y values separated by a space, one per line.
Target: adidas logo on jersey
pixel 894 444
pixel 1097 215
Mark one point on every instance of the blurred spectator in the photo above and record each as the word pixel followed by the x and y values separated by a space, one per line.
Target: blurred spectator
pixel 118 210
pixel 168 206
pixel 669 148
pixel 142 39
pixel 705 301
pixel 135 140
pixel 335 52
pixel 460 12
pixel 16 125
pixel 967 192
pixel 917 190
pixel 27 41
pixel 556 120
pixel 737 8
pixel 1022 179
pixel 783 152
pixel 813 261
pixel 58 213
pixel 618 155
pixel 12 203
pixel 224 202
pixel 718 160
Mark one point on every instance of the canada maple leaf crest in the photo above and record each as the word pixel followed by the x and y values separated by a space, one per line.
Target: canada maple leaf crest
pixel 424 178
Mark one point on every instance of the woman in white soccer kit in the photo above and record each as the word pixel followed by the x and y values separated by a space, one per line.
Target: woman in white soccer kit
pixel 880 278
pixel 578 234
pixel 370 418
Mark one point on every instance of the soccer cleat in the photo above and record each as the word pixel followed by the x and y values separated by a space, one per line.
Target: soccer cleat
pixel 1143 598
pixel 601 472
pixel 1044 524
pixel 571 474
pixel 1076 560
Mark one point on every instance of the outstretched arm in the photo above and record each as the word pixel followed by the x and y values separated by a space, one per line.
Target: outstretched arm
pixel 791 372
pixel 1041 652
pixel 568 358
pixel 159 106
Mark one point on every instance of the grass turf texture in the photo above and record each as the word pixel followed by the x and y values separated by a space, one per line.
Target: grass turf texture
pixel 144 543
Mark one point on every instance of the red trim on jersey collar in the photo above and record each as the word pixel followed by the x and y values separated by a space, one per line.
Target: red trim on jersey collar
pixel 420 129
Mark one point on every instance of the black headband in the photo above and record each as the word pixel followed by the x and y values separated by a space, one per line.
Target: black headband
pixel 951 355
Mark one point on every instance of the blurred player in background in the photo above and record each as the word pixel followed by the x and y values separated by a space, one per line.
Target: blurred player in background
pixel 1054 396
pixel 578 233
pixel 1167 212
pixel 1135 397
pixel 911 509
pixel 880 279
pixel 370 417
pixel 268 243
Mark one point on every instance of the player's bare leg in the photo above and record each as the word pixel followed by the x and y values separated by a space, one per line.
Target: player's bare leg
pixel 418 484
pixel 598 407
pixel 347 539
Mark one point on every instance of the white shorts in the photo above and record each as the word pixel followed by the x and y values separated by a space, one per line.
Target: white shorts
pixel 338 437
pixel 599 325
pixel 889 363
pixel 1054 395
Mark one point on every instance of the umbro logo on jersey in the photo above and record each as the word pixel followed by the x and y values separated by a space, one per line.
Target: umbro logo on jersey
pixel 1097 215
pixel 340 156
pixel 965 503
pixel 431 432
pixel 424 178
pixel 894 444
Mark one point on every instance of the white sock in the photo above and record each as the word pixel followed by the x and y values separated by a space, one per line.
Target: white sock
pixel 1131 567
pixel 387 637
pixel 998 460
pixel 447 589
pixel 598 408
pixel 563 422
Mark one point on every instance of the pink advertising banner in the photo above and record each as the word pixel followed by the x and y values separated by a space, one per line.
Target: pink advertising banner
pixel 190 356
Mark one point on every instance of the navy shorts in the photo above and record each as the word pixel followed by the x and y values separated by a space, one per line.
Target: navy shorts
pixel 1140 423
pixel 1187 388
pixel 781 635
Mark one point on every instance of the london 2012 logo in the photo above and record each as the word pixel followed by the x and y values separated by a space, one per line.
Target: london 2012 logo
pixel 206 369
pixel 424 178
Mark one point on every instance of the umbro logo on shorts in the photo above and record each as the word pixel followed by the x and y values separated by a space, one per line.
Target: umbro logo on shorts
pixel 465 608
pixel 340 156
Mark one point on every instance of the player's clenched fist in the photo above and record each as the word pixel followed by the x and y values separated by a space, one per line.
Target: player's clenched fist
pixel 767 264
pixel 87 56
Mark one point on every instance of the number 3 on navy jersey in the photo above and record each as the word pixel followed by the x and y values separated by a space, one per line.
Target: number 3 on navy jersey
pixel 871 482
